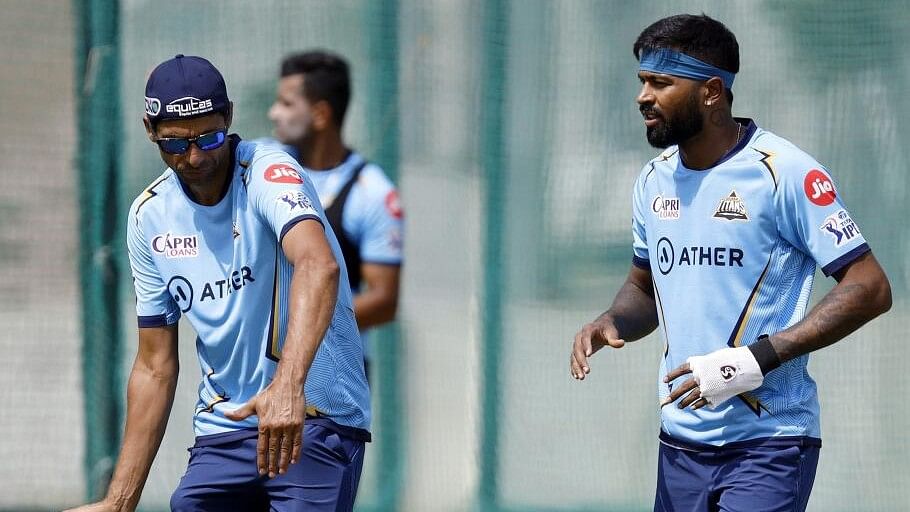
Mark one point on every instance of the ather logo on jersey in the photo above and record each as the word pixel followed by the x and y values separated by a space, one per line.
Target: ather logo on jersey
pixel 669 257
pixel 223 287
pixel 182 292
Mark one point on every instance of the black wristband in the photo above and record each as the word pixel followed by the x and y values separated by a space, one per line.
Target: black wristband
pixel 765 354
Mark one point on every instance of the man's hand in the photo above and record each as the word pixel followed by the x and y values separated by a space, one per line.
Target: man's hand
pixel 716 378
pixel 101 506
pixel 591 338
pixel 281 410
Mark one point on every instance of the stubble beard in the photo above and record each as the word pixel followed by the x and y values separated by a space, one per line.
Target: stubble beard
pixel 682 127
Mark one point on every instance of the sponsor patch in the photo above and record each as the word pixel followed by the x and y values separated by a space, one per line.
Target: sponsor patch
pixel 175 246
pixel 666 208
pixel 152 106
pixel 393 204
pixel 182 292
pixel 670 257
pixel 394 238
pixel 731 207
pixel 840 227
pixel 189 106
pixel 819 188
pixel 282 173
pixel 296 202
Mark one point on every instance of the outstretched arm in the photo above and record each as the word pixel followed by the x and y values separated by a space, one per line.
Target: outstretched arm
pixel 149 396
pixel 861 294
pixel 632 316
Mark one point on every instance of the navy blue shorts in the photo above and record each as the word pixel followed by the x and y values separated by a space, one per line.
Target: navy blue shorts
pixel 222 474
pixel 769 475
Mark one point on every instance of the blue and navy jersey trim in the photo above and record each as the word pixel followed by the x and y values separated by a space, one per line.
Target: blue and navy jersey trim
pixel 293 222
pixel 152 321
pixel 778 441
pixel 641 263
pixel 846 259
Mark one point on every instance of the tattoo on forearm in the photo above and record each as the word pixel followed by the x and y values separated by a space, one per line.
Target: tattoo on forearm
pixel 842 311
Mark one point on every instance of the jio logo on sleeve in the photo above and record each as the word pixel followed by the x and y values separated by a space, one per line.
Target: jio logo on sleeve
pixel 819 188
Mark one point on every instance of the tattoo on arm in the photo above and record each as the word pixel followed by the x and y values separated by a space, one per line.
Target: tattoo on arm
pixel 843 310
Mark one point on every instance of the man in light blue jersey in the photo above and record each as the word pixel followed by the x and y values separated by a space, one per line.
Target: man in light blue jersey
pixel 360 202
pixel 233 236
pixel 729 224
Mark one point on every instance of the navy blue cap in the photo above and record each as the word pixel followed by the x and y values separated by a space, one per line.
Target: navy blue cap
pixel 184 87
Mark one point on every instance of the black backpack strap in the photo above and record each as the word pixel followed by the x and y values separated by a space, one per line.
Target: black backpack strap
pixel 348 248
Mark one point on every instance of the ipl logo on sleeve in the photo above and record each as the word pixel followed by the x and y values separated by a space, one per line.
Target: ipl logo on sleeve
pixel 296 201
pixel 840 227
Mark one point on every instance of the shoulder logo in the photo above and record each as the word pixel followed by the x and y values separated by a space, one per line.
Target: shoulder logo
pixel 841 227
pixel 152 106
pixel 282 173
pixel 296 200
pixel 393 204
pixel 176 246
pixel 666 208
pixel 731 208
pixel 818 188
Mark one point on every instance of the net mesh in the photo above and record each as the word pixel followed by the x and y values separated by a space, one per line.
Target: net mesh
pixel 515 140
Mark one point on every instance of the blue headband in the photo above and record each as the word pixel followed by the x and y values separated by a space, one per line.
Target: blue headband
pixel 672 62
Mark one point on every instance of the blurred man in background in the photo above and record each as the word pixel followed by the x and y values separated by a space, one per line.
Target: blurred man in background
pixel 232 235
pixel 729 224
pixel 360 202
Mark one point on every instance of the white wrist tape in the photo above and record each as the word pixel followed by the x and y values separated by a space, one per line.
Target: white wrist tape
pixel 725 373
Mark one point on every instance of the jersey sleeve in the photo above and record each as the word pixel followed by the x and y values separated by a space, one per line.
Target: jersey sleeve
pixel 381 221
pixel 640 256
pixel 155 307
pixel 813 218
pixel 281 193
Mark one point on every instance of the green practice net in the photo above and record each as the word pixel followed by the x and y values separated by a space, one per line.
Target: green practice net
pixel 511 130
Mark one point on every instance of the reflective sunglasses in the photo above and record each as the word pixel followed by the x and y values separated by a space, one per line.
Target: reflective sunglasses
pixel 180 145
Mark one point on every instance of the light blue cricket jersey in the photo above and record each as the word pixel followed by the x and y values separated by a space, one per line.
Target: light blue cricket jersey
pixel 732 251
pixel 223 267
pixel 372 217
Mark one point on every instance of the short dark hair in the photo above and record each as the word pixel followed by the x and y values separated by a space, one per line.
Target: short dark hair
pixel 325 78
pixel 698 36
